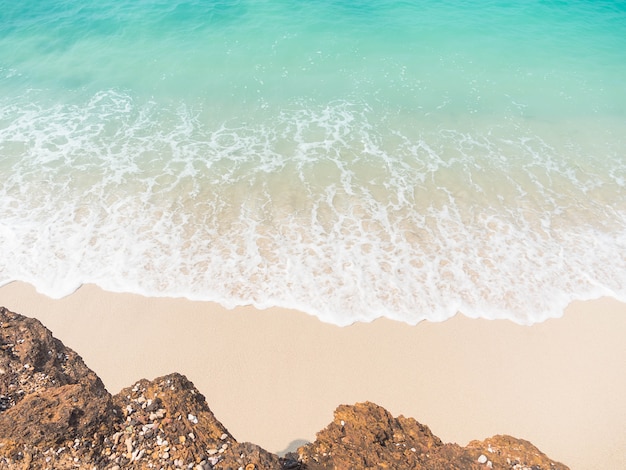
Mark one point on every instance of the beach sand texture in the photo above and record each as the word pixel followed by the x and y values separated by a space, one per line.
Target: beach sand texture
pixel 274 377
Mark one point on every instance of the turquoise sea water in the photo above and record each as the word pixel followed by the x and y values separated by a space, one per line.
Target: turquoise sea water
pixel 352 159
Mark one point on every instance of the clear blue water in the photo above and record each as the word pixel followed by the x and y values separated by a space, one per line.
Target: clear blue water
pixel 351 159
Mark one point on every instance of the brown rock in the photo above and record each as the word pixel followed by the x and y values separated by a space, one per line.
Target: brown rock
pixel 164 420
pixel 248 456
pixel 366 436
pixel 511 453
pixel 31 359
pixel 50 398
pixel 56 414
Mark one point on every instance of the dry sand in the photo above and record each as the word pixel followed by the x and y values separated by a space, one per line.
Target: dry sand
pixel 274 377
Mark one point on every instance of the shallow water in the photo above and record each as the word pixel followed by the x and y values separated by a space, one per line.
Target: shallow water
pixel 349 159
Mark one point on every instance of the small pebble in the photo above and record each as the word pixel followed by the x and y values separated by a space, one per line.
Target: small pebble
pixel 151 406
pixel 129 444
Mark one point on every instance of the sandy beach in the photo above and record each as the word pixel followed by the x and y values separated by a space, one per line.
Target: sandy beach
pixel 274 377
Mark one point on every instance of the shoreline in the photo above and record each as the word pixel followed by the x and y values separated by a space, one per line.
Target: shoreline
pixel 559 384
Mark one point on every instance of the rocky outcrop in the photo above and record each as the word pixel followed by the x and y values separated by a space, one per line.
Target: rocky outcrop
pixel 509 452
pixel 49 398
pixel 167 421
pixel 366 436
pixel 56 414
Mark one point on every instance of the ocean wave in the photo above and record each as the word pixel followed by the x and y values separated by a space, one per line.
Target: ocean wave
pixel 336 209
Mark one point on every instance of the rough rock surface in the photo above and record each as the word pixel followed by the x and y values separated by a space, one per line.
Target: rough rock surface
pixel 509 452
pixel 49 398
pixel 366 436
pixel 167 421
pixel 56 414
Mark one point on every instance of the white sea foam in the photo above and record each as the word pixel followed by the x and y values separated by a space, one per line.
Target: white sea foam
pixel 343 212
